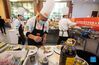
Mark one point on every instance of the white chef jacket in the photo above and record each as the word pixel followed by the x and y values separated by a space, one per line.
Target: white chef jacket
pixel 16 24
pixel 64 24
pixel 31 22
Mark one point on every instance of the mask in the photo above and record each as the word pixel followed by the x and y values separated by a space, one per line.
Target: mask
pixel 41 22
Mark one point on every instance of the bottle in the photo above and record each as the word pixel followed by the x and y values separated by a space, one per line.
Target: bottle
pixel 32 59
pixel 43 61
pixel 68 53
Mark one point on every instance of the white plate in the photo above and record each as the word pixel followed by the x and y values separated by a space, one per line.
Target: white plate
pixel 14 47
pixel 17 47
pixel 80 59
pixel 32 50
pixel 41 51
pixel 57 50
pixel 11 47
pixel 31 47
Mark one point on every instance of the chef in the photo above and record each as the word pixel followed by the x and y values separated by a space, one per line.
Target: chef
pixel 38 25
pixel 19 26
pixel 17 22
pixel 64 25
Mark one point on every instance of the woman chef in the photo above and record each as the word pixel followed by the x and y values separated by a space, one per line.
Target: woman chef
pixel 64 25
pixel 38 26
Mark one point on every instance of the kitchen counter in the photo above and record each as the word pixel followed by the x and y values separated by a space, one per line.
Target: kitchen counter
pixel 54 57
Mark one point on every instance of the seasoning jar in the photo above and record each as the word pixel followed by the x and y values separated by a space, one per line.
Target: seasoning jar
pixel 68 53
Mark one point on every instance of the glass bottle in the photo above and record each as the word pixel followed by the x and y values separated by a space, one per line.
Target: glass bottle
pixel 68 53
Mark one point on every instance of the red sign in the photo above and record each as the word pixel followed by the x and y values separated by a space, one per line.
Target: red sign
pixel 90 22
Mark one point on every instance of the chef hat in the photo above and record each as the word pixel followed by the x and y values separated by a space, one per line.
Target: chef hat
pixel 65 11
pixel 21 11
pixel 47 8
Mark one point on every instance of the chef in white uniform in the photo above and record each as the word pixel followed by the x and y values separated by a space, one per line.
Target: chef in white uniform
pixel 19 26
pixel 64 25
pixel 38 25
pixel 17 22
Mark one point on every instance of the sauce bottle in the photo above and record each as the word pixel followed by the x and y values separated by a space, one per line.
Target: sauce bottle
pixel 68 53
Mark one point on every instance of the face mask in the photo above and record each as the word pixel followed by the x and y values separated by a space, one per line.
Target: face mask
pixel 41 22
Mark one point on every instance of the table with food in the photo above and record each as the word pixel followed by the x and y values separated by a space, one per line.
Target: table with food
pixel 32 55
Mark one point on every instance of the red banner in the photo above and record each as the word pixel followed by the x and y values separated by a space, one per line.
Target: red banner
pixel 90 22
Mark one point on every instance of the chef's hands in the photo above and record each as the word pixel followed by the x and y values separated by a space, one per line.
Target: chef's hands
pixel 35 38
pixel 38 38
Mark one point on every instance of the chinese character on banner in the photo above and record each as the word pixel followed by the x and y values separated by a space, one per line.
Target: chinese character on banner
pixel 91 22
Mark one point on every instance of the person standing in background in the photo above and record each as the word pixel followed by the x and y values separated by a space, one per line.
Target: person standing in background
pixel 17 22
pixel 2 25
pixel 64 25
pixel 20 28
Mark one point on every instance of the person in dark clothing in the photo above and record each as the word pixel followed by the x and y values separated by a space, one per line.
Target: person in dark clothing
pixel 22 38
pixel 20 28
pixel 2 25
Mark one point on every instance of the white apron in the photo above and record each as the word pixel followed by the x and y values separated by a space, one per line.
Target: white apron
pixel 63 33
pixel 64 24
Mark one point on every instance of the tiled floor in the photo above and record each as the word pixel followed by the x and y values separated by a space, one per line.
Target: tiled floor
pixel 3 37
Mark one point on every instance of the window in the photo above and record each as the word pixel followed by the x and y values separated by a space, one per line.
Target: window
pixel 29 7
pixel 57 10
pixel 94 14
